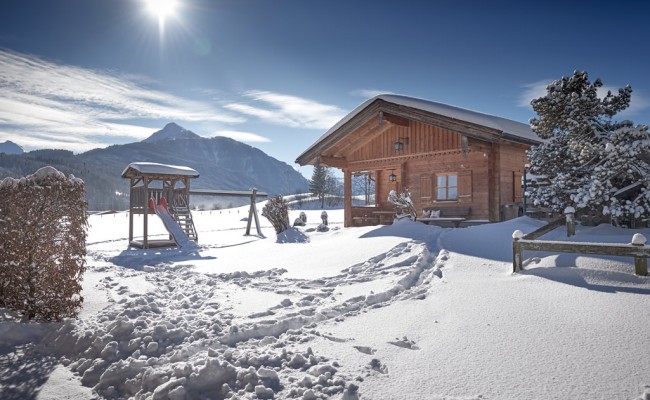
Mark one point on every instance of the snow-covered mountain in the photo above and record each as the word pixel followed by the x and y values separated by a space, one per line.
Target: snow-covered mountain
pixel 9 147
pixel 171 131
pixel 223 163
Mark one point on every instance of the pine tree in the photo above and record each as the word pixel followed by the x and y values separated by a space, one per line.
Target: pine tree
pixel 318 183
pixel 593 163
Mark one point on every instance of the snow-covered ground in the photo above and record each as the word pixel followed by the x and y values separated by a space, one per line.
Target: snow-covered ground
pixel 406 311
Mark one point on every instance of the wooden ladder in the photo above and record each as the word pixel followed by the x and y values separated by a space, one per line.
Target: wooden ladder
pixel 183 216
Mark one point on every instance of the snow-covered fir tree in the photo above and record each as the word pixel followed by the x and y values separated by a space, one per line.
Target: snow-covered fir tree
pixel 592 162
pixel 318 184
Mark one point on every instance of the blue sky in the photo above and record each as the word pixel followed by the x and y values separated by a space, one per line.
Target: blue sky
pixel 81 74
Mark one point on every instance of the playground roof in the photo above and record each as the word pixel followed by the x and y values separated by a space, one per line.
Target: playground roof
pixel 138 169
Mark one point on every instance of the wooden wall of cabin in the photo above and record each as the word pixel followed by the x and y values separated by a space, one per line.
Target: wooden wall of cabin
pixel 511 166
pixel 422 139
pixel 471 168
pixel 433 150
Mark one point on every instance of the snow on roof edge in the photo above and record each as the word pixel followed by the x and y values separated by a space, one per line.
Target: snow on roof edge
pixel 162 169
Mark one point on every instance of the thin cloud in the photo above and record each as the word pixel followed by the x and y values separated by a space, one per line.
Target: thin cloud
pixel 81 106
pixel 638 103
pixel 532 91
pixel 287 110
pixel 243 136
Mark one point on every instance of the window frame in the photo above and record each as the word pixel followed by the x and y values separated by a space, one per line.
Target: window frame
pixel 446 186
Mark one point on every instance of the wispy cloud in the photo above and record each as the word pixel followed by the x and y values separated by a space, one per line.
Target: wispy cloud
pixel 639 103
pixel 79 108
pixel 532 91
pixel 243 136
pixel 287 110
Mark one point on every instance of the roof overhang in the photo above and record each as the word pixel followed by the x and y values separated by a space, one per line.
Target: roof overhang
pixel 151 169
pixel 466 122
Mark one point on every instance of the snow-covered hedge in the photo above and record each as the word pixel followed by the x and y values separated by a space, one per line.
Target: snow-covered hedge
pixel 276 211
pixel 42 244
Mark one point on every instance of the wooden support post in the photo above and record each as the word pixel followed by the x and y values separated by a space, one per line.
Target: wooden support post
pixel 131 207
pixel 517 256
pixel 347 197
pixel 570 213
pixel 145 227
pixel 641 265
pixel 252 213
pixel 517 251
pixel 640 261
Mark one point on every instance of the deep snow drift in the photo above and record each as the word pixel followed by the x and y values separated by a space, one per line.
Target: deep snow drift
pixel 406 311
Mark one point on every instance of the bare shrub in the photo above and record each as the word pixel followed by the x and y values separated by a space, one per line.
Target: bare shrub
pixel 276 211
pixel 403 204
pixel 42 244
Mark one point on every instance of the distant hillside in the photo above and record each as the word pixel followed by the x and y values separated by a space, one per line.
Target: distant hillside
pixel 223 163
pixel 10 147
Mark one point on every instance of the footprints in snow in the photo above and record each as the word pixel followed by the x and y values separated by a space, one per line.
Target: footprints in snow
pixel 375 364
pixel 405 343
pixel 365 349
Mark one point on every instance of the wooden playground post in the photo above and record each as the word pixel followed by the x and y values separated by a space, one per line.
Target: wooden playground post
pixel 252 213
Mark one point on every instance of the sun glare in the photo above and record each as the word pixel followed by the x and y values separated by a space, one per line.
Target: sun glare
pixel 162 8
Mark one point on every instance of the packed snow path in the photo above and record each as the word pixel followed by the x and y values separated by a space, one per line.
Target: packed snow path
pixel 170 331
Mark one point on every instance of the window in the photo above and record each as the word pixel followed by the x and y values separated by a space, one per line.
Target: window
pixel 447 186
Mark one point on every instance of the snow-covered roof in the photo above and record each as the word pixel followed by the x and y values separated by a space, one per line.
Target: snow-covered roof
pixel 151 168
pixel 511 129
pixel 490 121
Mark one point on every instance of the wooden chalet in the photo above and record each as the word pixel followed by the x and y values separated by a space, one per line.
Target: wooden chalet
pixel 447 157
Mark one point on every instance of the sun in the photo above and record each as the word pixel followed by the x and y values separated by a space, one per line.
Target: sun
pixel 162 8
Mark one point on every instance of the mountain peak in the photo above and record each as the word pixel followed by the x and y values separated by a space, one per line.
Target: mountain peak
pixel 9 147
pixel 171 131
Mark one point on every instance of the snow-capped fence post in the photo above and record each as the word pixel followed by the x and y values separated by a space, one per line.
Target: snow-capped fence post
pixel 640 262
pixel 517 251
pixel 570 214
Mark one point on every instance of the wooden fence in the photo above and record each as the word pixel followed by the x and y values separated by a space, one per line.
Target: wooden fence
pixel 640 252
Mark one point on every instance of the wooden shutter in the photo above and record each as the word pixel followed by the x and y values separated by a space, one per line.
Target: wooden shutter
pixel 425 188
pixel 465 186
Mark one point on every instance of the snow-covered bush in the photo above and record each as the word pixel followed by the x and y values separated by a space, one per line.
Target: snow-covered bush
pixel 403 204
pixel 301 220
pixel 42 244
pixel 276 211
pixel 593 163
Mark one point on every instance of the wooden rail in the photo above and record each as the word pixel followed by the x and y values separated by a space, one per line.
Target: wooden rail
pixel 639 252
pixel 253 194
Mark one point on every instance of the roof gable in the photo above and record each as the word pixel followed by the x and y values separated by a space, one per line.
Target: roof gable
pixel 507 129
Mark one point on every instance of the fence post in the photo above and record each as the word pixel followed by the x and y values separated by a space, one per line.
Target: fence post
pixel 570 213
pixel 517 252
pixel 640 262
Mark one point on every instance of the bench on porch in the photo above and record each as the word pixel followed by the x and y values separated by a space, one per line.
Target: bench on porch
pixel 365 220
pixel 453 215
